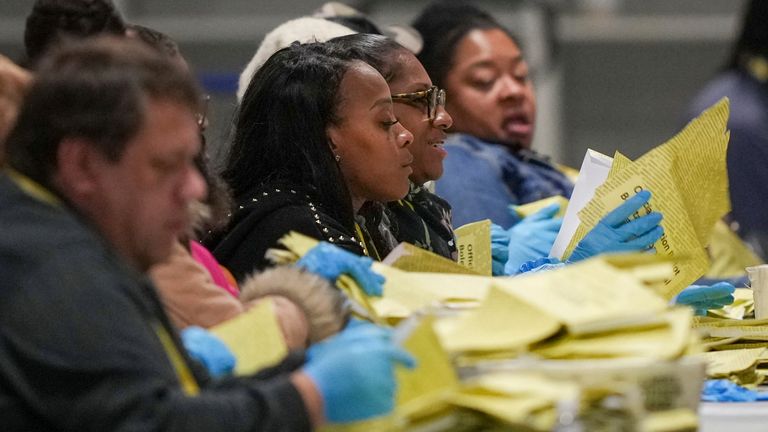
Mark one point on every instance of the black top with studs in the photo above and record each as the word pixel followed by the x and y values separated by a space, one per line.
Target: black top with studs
pixel 264 216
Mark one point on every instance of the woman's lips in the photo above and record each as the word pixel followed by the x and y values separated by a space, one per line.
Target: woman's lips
pixel 439 147
pixel 518 126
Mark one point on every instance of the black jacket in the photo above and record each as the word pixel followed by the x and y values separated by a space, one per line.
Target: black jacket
pixel 422 219
pixel 81 341
pixel 264 216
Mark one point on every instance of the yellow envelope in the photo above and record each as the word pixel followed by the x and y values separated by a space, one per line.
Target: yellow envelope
pixel 473 242
pixel 502 322
pixel 423 391
pixel 415 259
pixel 254 337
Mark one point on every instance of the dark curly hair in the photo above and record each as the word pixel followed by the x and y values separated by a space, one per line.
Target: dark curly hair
pixel 376 50
pixel 442 25
pixel 155 39
pixel 54 21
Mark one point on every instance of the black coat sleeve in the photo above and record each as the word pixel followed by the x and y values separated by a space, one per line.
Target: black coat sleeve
pixel 78 351
pixel 243 249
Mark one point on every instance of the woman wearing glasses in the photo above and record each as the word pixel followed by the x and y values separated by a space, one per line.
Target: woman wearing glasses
pixel 315 138
pixel 421 218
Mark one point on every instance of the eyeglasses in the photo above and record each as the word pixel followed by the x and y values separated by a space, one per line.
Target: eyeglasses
pixel 433 96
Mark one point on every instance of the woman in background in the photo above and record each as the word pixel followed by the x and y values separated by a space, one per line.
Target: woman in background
pixel 490 164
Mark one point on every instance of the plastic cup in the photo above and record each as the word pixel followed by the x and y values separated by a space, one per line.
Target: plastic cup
pixel 758 280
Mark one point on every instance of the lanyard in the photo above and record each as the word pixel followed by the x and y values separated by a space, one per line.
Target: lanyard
pixel 427 238
pixel 365 243
pixel 32 188
pixel 188 383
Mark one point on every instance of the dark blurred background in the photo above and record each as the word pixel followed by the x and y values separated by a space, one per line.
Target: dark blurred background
pixel 609 74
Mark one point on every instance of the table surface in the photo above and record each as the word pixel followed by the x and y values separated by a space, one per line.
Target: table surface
pixel 733 417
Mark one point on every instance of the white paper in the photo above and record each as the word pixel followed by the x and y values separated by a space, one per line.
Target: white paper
pixel 593 173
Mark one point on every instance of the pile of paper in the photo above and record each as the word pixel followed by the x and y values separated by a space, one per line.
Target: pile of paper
pixel 733 327
pixel 737 343
pixel 738 365
pixel 590 310
pixel 536 395
pixel 728 334
pixel 594 310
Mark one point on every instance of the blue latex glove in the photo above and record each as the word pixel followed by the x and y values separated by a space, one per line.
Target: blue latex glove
pixel 615 233
pixel 723 390
pixel 541 264
pixel 499 249
pixel 529 239
pixel 209 350
pixel 702 297
pixel 354 372
pixel 331 262
pixel 532 237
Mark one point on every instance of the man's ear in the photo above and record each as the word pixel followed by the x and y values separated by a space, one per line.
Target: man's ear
pixel 78 163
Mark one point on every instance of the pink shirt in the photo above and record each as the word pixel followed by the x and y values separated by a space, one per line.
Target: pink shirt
pixel 204 257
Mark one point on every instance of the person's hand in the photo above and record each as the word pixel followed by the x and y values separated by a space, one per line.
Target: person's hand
pixel 532 237
pixel 354 372
pixel 704 297
pixel 209 350
pixel 527 240
pixel 331 262
pixel 615 233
